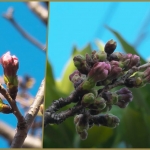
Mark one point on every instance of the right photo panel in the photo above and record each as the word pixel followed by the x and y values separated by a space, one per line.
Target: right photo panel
pixel 97 75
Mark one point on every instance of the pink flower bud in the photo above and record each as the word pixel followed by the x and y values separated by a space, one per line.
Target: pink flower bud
pixel 115 69
pixel 134 60
pixel 99 71
pixel 10 64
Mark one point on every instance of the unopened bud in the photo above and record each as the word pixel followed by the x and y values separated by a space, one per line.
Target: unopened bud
pixel 124 97
pixel 99 56
pixel 110 47
pixel 10 64
pixel 84 135
pixel 99 72
pixel 88 99
pixel 111 121
pixel 77 78
pixel 5 108
pixel 99 104
pixel 80 63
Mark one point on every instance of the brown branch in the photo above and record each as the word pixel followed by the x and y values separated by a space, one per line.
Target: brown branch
pixel 34 108
pixel 16 112
pixel 8 132
pixel 39 10
pixel 9 16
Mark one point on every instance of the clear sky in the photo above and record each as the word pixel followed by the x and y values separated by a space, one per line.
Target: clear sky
pixel 31 59
pixel 80 23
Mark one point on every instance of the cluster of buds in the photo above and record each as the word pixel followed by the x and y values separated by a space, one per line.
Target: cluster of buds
pixel 95 73
pixel 10 66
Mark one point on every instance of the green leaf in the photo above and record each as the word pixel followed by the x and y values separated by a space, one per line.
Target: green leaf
pixel 65 85
pixel 127 48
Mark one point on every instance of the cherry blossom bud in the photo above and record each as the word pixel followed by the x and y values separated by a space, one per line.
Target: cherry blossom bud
pixel 110 47
pixel 99 72
pixel 10 64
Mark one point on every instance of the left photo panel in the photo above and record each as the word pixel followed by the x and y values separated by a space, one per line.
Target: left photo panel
pixel 23 36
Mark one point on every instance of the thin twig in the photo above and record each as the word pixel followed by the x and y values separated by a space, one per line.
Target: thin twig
pixel 22 134
pixel 16 112
pixel 39 10
pixel 9 16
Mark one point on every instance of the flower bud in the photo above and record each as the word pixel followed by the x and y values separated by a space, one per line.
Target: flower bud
pixel 110 47
pixel 111 98
pixel 111 121
pixel 117 56
pixel 5 108
pixel 81 122
pixel 84 135
pixel 88 99
pixel 116 70
pixel 10 64
pixel 99 56
pixel 134 60
pixel 146 75
pixel 124 97
pixel 99 72
pixel 80 63
pixel 76 78
pixel 99 104
pixel 77 118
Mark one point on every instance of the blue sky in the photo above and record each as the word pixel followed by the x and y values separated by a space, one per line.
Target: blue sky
pixel 80 23
pixel 31 59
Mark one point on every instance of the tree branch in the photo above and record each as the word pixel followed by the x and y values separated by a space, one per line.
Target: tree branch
pixel 8 132
pixel 9 16
pixel 16 112
pixel 34 108
pixel 39 10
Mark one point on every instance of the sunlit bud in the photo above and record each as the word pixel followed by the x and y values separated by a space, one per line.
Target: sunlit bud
pixel 10 64
pixel 116 70
pixel 99 56
pixel 5 108
pixel 110 47
pixel 134 60
pixel 99 72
